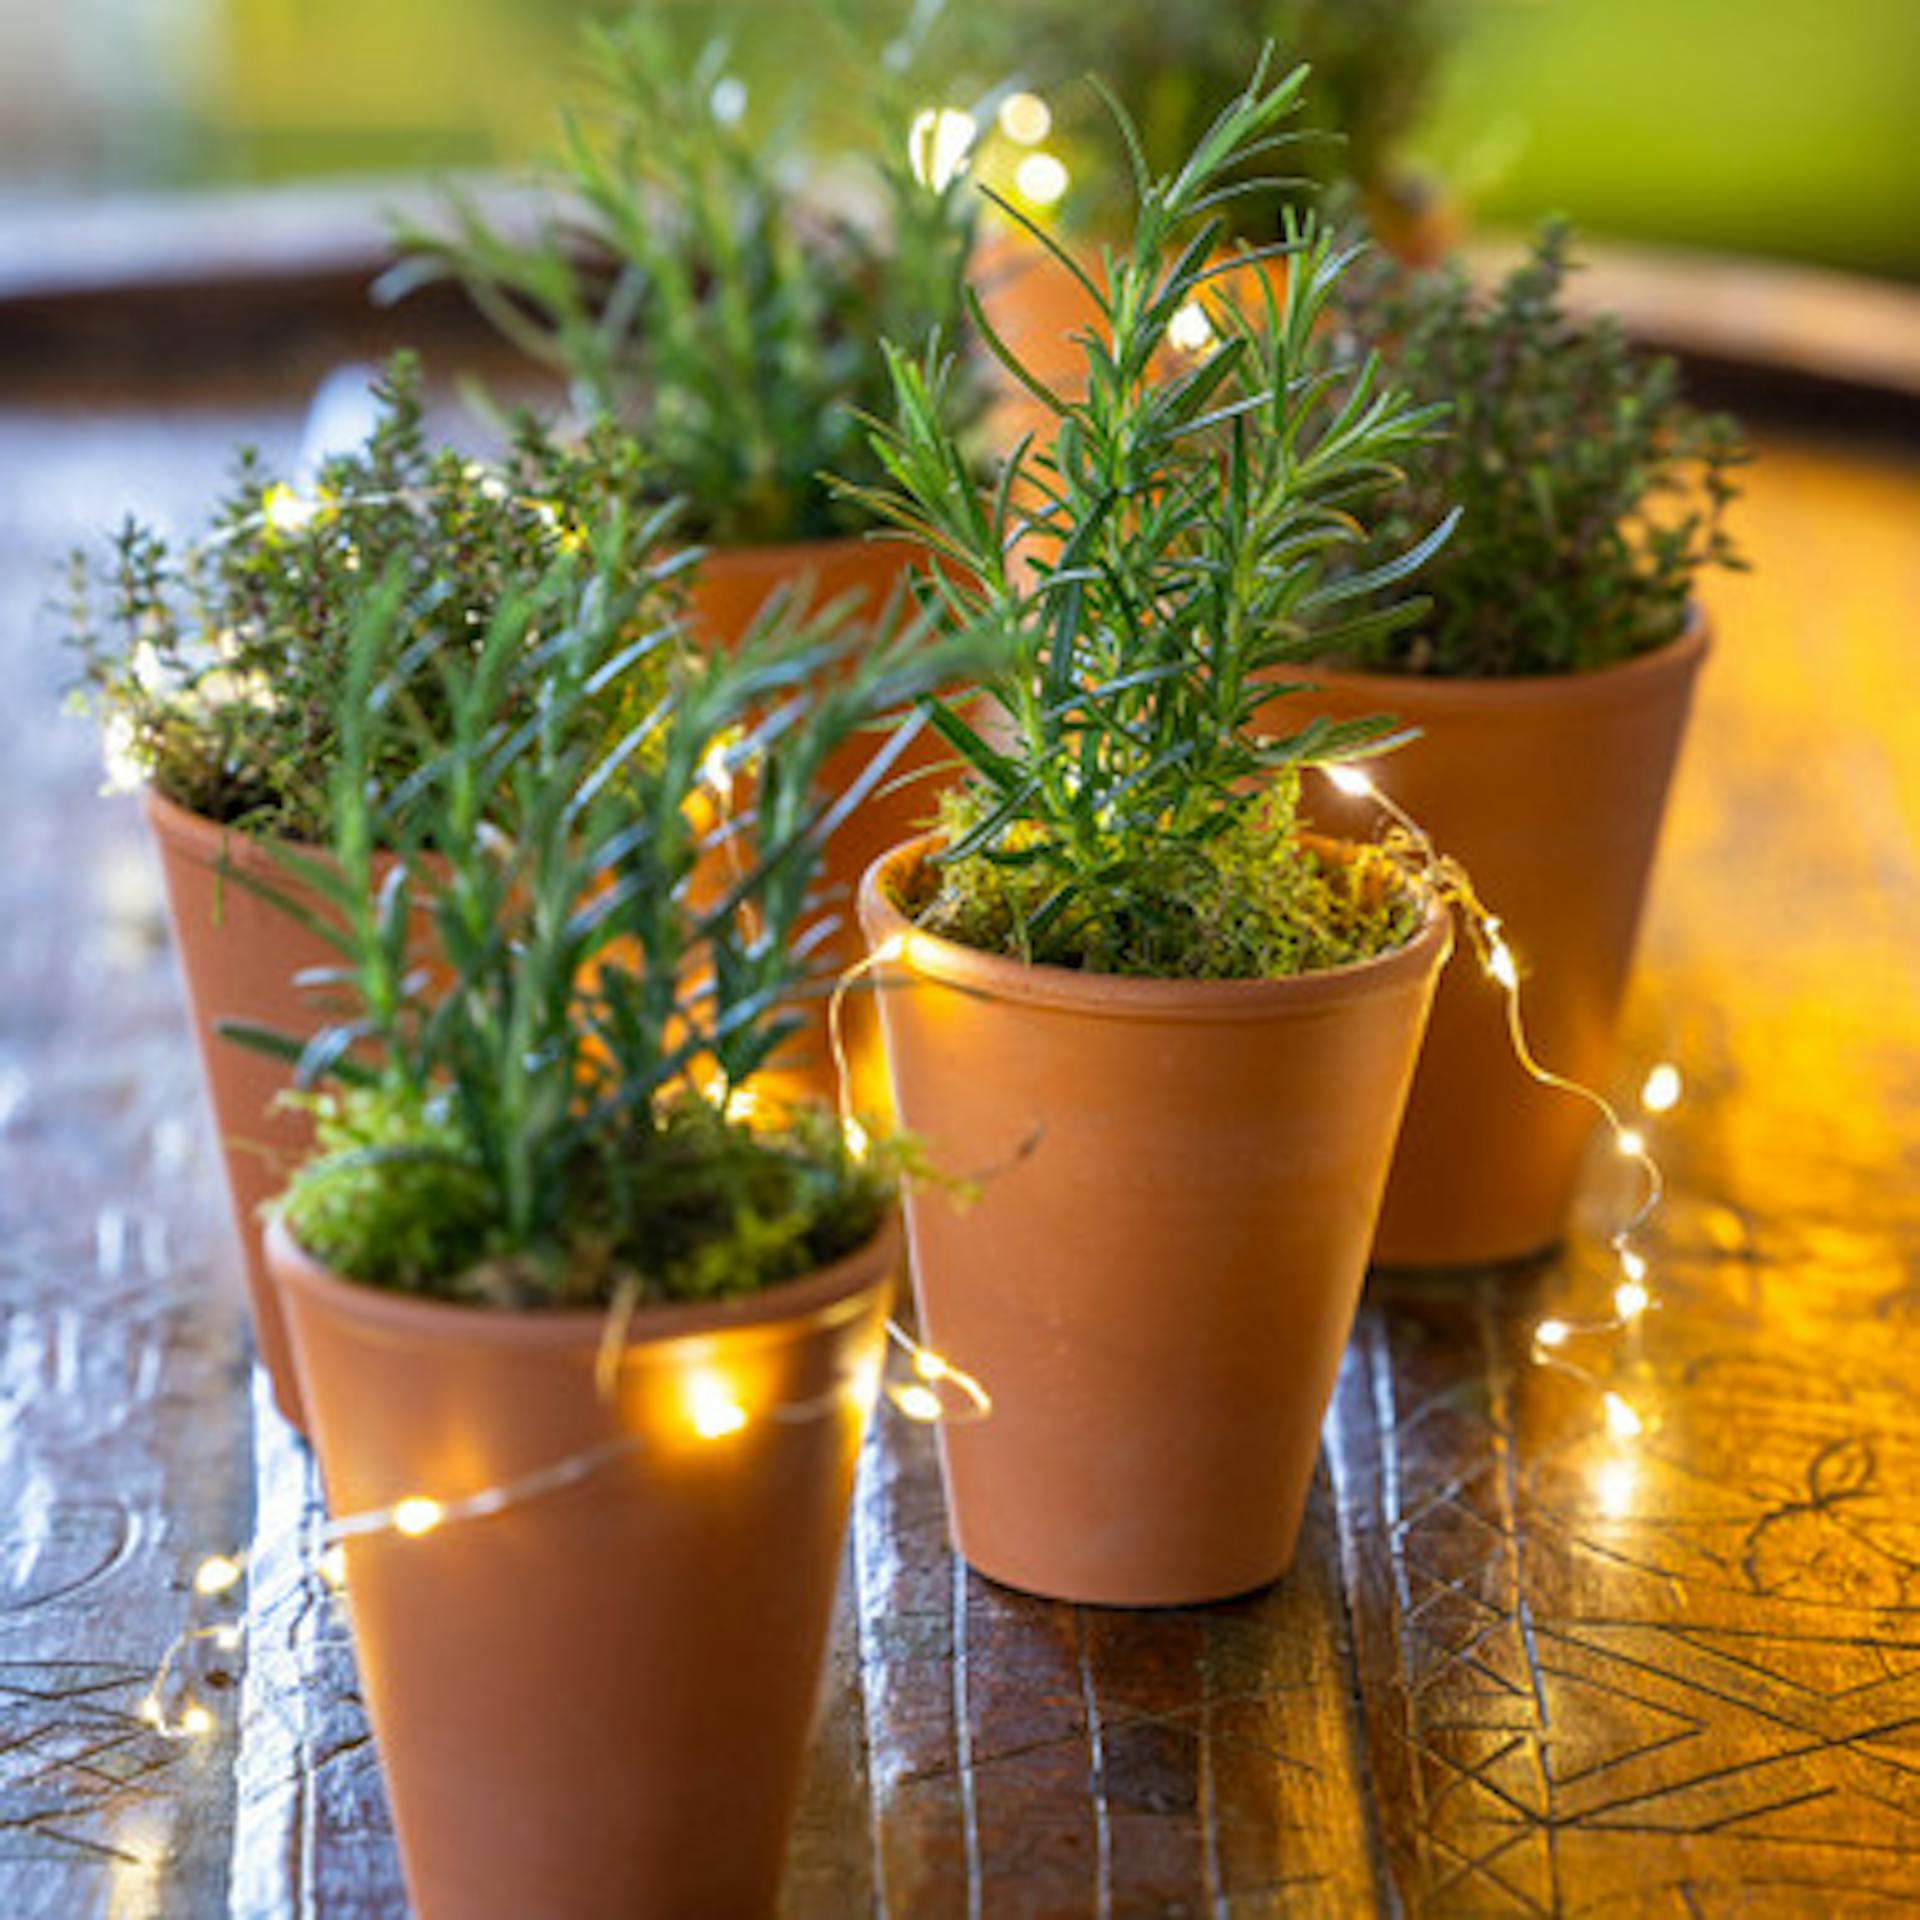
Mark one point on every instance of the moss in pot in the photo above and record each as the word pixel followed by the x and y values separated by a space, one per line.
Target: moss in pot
pixel 1181 1030
pixel 534 1237
pixel 1551 681
pixel 214 671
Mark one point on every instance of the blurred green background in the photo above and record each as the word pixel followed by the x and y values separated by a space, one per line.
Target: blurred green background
pixel 1783 127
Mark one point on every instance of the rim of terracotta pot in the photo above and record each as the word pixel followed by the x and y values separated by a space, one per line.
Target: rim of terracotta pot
pixel 1128 996
pixel 1594 686
pixel 828 1295
pixel 212 841
pixel 783 557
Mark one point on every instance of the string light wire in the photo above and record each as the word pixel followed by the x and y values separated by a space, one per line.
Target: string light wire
pixel 1448 879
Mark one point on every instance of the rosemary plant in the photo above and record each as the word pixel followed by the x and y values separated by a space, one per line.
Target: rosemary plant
pixel 540 1114
pixel 1160 555
pixel 1592 495
pixel 215 669
pixel 686 282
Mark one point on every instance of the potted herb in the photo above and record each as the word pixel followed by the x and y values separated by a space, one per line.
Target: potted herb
pixel 690 282
pixel 213 670
pixel 1551 681
pixel 587 1361
pixel 1178 1033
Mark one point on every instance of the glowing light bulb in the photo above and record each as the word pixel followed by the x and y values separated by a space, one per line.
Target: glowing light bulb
pixel 1632 1265
pixel 713 1412
pixel 333 1567
pixel 1622 1421
pixel 918 1403
pixel 859 1141
pixel 1501 965
pixel 1631 1299
pixel 196 1722
pixel 1630 1143
pixel 1552 1333
pixel 716 773
pixel 1042 178
pixel 1192 332
pixel 1661 1093
pixel 227 1638
pixel 416 1514
pixel 285 510
pixel 1614 1485
pixel 1025 118
pixel 929 1365
pixel 938 146
pixel 151 1711
pixel 1351 781
pixel 220 1574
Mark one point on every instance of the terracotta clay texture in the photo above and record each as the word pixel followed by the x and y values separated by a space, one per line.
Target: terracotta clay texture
pixel 1179 1185
pixel 1551 790
pixel 239 956
pixel 594 1704
pixel 732 586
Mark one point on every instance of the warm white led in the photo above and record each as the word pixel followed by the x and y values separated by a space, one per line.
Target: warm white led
pixel 416 1514
pixel 1353 781
pixel 1631 1143
pixel 1042 178
pixel 220 1574
pixel 1631 1299
pixel 918 1403
pixel 1192 332
pixel 1622 1421
pixel 1025 118
pixel 1502 966
pixel 1552 1333
pixel 712 1411
pixel 286 511
pixel 1661 1093
pixel 938 145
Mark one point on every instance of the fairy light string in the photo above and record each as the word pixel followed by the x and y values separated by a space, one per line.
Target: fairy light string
pixel 1632 1298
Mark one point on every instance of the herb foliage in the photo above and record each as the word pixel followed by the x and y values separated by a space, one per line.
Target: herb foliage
pixel 686 282
pixel 1161 555
pixel 1591 495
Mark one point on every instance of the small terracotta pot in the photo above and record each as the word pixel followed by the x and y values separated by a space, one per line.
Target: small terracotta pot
pixel 239 956
pixel 1156 1283
pixel 1551 791
pixel 733 584
pixel 594 1704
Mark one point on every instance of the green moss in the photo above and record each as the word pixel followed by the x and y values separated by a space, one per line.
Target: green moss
pixel 1254 903
pixel 698 1208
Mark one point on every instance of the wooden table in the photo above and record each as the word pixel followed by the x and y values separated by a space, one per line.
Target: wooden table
pixel 1518 1668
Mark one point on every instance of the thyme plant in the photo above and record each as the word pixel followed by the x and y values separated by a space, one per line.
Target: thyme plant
pixel 215 667
pixel 1592 496
pixel 1160 554
pixel 530 1104
pixel 687 281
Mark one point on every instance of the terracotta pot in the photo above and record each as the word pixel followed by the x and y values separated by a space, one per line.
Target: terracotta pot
pixel 1157 1281
pixel 594 1704
pixel 1551 790
pixel 239 956
pixel 731 587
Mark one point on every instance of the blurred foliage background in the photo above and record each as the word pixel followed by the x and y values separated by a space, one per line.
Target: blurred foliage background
pixel 1782 127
